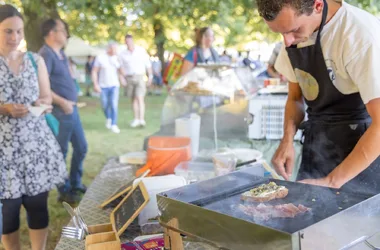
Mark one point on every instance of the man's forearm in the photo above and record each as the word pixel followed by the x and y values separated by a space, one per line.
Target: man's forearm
pixel 94 76
pixel 365 152
pixel 122 72
pixel 122 79
pixel 48 99
pixel 272 72
pixel 149 72
pixel 294 115
pixel 58 100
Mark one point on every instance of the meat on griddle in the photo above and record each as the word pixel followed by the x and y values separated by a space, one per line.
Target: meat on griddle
pixel 266 212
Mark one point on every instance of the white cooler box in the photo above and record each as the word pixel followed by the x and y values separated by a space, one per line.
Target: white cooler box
pixel 155 185
pixel 268 113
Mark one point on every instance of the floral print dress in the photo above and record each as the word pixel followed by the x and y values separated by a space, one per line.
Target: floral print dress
pixel 31 161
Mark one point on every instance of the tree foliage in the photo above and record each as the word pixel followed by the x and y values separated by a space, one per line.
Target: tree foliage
pixel 157 24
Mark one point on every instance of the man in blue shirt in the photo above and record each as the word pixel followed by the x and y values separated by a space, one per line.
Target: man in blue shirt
pixel 65 110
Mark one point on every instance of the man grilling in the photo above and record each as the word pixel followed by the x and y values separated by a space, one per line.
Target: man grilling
pixel 331 57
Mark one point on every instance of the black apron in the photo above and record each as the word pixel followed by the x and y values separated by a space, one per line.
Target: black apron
pixel 335 121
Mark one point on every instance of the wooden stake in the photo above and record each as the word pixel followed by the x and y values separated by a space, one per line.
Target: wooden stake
pixel 173 239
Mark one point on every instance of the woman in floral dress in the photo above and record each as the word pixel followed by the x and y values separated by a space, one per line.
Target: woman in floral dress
pixel 31 163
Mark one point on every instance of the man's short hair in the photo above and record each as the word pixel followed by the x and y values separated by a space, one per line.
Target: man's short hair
pixel 50 25
pixel 269 9
pixel 128 36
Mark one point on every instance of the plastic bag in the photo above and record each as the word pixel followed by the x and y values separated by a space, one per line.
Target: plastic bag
pixel 224 163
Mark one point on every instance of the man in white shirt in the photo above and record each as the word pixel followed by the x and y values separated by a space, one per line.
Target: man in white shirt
pixel 135 63
pixel 105 76
pixel 272 72
pixel 331 61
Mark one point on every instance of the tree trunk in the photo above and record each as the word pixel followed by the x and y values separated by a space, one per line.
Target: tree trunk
pixel 159 39
pixel 36 12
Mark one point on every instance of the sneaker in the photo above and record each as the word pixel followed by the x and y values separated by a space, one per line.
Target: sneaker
pixel 109 123
pixel 69 197
pixel 135 123
pixel 142 123
pixel 115 129
pixel 81 190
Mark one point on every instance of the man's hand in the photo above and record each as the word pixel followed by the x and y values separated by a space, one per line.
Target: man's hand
pixel 324 182
pixel 68 107
pixel 283 159
pixel 97 89
pixel 15 110
pixel 149 83
pixel 283 78
pixel 123 81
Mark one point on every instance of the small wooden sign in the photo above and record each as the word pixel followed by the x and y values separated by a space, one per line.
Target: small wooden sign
pixel 114 199
pixel 129 208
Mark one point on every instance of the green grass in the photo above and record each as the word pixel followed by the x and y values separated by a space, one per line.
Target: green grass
pixel 102 144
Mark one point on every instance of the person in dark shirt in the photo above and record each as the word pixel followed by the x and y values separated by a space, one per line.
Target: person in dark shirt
pixel 88 68
pixel 65 110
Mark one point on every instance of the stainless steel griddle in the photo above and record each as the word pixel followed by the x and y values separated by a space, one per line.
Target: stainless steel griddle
pixel 210 210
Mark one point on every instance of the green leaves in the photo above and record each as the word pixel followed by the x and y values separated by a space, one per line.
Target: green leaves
pixel 153 22
pixel 372 6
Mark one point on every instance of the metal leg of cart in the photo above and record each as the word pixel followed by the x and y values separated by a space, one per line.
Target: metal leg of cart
pixel 173 239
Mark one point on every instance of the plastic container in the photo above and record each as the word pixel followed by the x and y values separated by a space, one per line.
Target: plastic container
pixel 195 171
pixel 224 163
pixel 189 126
pixel 165 153
pixel 268 113
pixel 155 185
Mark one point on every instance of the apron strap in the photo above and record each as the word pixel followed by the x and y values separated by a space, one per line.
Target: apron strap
pixel 323 22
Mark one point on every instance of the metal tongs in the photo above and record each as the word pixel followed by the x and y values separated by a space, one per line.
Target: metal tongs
pixel 80 230
pixel 82 224
pixel 264 164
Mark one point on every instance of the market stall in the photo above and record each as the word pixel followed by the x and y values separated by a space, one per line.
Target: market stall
pixel 220 107
pixel 206 131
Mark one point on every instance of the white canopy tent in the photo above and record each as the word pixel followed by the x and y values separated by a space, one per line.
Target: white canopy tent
pixel 77 47
pixel 79 50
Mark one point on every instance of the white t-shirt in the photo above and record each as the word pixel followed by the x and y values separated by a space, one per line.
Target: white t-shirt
pixel 351 48
pixel 108 70
pixel 276 51
pixel 135 62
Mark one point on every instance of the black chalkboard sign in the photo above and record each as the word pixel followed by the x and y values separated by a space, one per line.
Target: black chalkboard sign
pixel 129 208
pixel 114 199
